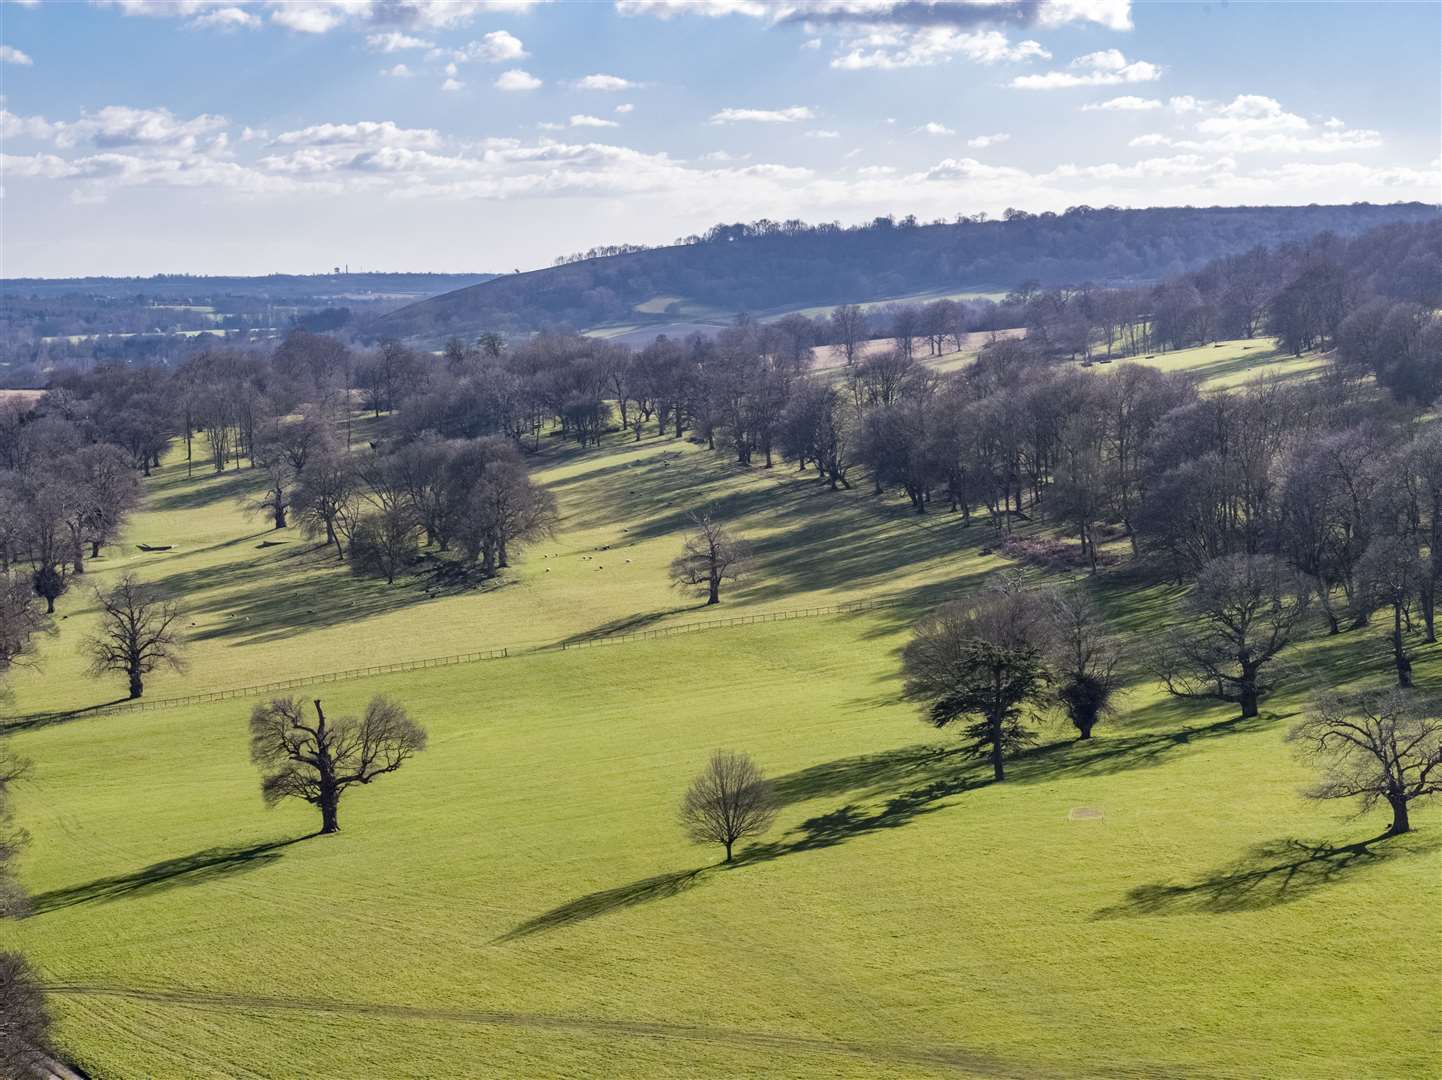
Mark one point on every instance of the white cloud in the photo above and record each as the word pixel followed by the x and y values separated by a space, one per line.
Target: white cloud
pixel 625 108
pixel 822 133
pixel 928 45
pixel 366 133
pixel 811 43
pixel 763 116
pixel 227 18
pixel 1334 122
pixel 452 84
pixel 1255 123
pixel 931 127
pixel 1127 103
pixel 11 55
pixel 1107 67
pixel 399 71
pixel 1112 14
pixel 981 142
pixel 875 170
pixel 1185 103
pixel 582 120
pixel 604 82
pixel 516 80
pixel 395 41
pixel 494 48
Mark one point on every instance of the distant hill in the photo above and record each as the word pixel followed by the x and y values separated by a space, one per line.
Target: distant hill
pixel 273 287
pixel 772 267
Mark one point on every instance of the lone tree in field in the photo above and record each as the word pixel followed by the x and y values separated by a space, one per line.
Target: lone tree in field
pixel 983 659
pixel 729 801
pixel 138 633
pixel 20 620
pixel 1242 612
pixel 709 556
pixel 1379 746
pixel 317 759
pixel 1086 659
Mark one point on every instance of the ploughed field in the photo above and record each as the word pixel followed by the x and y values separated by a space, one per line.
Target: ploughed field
pixel 519 900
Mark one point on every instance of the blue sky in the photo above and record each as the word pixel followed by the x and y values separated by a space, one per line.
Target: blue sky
pixel 250 137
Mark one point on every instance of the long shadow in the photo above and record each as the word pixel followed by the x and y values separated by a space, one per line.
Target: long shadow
pixel 600 903
pixel 34 721
pixel 1271 873
pixel 197 868
pixel 628 624
pixel 209 488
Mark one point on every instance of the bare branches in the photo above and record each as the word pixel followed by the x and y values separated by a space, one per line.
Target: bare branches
pixel 709 556
pixel 138 632
pixel 729 801
pixel 1377 746
pixel 316 759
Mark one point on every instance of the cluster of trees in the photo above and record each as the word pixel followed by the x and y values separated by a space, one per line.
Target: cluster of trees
pixel 1371 296
pixel 24 1020
pixel 992 662
pixel 761 265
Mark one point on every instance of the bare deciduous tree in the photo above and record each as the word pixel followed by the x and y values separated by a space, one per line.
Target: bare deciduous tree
pixel 317 759
pixel 983 658
pixel 1378 746
pixel 1086 660
pixel 709 556
pixel 20 620
pixel 138 632
pixel 1242 612
pixel 729 801
pixel 24 1020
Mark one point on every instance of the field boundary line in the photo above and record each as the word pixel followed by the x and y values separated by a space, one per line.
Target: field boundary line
pixel 477 656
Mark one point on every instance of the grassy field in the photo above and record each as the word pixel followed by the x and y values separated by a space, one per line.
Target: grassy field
pixel 519 900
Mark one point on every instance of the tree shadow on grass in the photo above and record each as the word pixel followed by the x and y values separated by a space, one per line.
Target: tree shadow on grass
pixel 629 624
pixel 203 490
pixel 601 903
pixel 34 721
pixel 197 868
pixel 1272 873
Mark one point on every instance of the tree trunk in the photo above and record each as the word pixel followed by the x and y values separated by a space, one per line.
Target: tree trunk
pixel 998 767
pixel 1248 696
pixel 329 804
pixel 137 687
pixel 713 594
pixel 728 850
pixel 95 549
pixel 1399 650
pixel 1400 821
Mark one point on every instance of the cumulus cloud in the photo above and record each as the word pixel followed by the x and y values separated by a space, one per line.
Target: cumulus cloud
pixel 496 47
pixel 322 16
pixel 452 84
pixel 763 116
pixel 369 133
pixel 1255 123
pixel 1126 103
pixel 1112 14
pixel 1108 67
pixel 822 133
pixel 604 82
pixel 515 80
pixel 625 108
pixel 981 142
pixel 227 18
pixel 582 120
pixel 11 55
pixel 931 127
pixel 888 49
pixel 399 71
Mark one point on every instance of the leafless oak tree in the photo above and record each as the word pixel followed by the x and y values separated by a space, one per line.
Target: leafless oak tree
pixel 1378 746
pixel 318 759
pixel 729 801
pixel 1242 612
pixel 709 556
pixel 138 632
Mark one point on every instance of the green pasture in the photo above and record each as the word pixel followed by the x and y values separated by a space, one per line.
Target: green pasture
pixel 518 900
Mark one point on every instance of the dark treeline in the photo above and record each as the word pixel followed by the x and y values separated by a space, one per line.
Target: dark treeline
pixel 767 265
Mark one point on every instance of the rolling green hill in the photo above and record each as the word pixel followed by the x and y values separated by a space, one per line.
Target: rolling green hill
pixel 519 900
